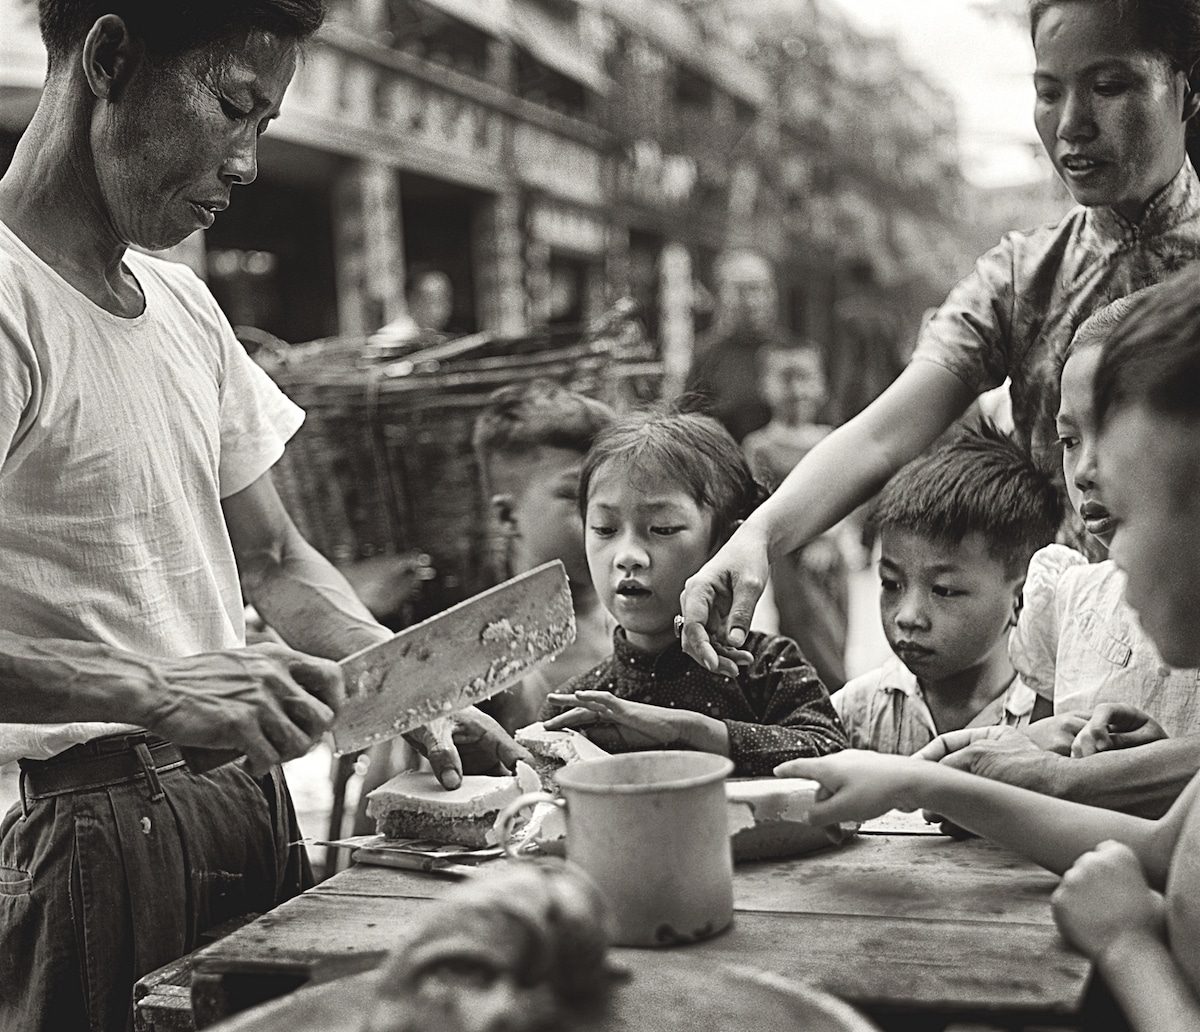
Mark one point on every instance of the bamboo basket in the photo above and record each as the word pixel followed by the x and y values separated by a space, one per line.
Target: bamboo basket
pixel 384 464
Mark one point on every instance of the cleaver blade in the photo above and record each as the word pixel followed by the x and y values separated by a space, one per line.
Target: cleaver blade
pixel 459 657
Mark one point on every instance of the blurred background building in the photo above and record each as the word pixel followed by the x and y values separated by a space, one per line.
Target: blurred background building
pixel 548 156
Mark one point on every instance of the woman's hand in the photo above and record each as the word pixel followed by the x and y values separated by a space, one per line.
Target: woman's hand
pixel 628 725
pixel 1105 897
pixel 718 602
pixel 856 785
pixel 1114 725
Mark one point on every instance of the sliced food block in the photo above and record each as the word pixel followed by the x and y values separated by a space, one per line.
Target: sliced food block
pixel 767 819
pixel 413 805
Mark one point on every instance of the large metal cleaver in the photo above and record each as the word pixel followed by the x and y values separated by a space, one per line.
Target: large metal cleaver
pixel 459 657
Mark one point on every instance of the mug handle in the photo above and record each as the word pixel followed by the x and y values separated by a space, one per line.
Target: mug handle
pixel 504 822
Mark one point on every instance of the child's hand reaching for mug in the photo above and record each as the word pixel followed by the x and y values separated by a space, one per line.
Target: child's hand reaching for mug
pixel 615 723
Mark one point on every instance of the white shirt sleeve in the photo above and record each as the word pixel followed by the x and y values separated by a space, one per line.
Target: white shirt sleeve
pixel 257 418
pixel 1033 644
pixel 17 375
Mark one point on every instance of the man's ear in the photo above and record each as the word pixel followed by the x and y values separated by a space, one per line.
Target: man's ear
pixel 504 512
pixel 1191 93
pixel 110 56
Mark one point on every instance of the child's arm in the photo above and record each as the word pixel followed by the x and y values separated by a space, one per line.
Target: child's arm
pixel 638 725
pixel 1051 832
pixel 1106 909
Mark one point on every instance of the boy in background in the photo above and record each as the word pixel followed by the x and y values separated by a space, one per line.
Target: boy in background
pixel 957 529
pixel 530 442
pixel 811 588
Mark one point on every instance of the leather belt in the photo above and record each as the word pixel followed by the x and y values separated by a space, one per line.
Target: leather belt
pixel 100 763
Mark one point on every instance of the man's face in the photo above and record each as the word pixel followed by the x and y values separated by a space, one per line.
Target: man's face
pixel 1150 475
pixel 179 135
pixel 537 500
pixel 748 291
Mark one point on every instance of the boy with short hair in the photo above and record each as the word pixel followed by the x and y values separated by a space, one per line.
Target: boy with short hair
pixel 811 588
pixel 529 443
pixel 957 528
pixel 1128 896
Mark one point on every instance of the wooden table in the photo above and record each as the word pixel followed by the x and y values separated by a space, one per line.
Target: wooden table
pixel 903 925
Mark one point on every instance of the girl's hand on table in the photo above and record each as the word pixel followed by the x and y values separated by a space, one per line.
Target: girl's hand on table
pixel 633 725
pixel 1114 725
pixel 1105 897
pixel 856 785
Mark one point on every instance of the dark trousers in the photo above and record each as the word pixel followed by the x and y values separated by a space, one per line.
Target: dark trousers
pixel 101 885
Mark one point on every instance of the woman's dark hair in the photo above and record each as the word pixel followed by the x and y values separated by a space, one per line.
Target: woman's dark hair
pixel 1169 27
pixel 170 28
pixel 686 449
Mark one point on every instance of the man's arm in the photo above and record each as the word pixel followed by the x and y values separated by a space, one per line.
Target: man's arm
pixel 301 595
pixel 295 588
pixel 1144 780
pixel 264 701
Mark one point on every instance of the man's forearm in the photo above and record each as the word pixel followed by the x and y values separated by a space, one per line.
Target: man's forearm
pixel 1144 780
pixel 50 681
pixel 312 606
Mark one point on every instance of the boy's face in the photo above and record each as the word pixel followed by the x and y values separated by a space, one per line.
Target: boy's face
pixel 535 497
pixel 642 544
pixel 1150 469
pixel 793 384
pixel 945 607
pixel 1076 428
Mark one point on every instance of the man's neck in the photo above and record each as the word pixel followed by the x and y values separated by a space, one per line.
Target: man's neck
pixel 49 198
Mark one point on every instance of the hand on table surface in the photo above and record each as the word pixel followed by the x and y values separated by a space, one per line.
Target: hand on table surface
pixel 1104 897
pixel 468 741
pixel 1115 725
pixel 618 724
pixel 718 603
pixel 267 701
pixel 856 785
pixel 1057 733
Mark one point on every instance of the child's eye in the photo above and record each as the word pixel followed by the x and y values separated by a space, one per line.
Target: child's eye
pixel 942 591
pixel 665 531
pixel 1110 88
pixel 1046 95
pixel 567 494
pixel 1066 442
pixel 601 531
pixel 888 584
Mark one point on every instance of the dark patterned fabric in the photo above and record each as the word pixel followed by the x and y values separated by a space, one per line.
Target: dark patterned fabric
pixel 776 710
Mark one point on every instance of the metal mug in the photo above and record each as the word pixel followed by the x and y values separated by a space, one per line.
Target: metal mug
pixel 651 829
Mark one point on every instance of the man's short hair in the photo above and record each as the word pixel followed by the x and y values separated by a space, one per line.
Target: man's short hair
pixel 981 482
pixel 170 28
pixel 1152 356
pixel 522 417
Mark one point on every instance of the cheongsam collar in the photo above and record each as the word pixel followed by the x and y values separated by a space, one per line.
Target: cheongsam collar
pixel 1175 203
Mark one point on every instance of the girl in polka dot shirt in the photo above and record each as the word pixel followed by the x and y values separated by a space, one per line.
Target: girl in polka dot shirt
pixel 659 494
